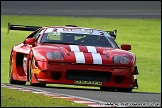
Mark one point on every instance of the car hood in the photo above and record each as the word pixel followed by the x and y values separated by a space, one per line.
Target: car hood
pixel 84 54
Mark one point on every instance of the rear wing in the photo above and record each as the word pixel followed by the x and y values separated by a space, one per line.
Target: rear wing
pixel 22 27
pixel 33 28
pixel 113 33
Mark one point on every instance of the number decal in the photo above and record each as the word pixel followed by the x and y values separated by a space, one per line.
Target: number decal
pixel 88 82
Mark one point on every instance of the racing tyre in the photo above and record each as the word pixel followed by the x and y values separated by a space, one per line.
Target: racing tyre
pixel 107 89
pixel 10 78
pixel 124 89
pixel 31 62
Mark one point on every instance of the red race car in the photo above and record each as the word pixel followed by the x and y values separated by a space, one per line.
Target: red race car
pixel 72 55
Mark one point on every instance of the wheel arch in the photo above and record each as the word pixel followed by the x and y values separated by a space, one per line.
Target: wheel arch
pixel 14 76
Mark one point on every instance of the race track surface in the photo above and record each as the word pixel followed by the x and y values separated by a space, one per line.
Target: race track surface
pixel 95 95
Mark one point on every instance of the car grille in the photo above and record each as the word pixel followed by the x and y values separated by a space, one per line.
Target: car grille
pixel 88 75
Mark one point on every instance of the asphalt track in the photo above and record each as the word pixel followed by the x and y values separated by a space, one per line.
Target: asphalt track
pixel 87 95
pixel 110 9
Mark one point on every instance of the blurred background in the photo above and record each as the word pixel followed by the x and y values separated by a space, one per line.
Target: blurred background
pixel 111 9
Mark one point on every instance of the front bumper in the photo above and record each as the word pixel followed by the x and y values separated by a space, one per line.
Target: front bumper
pixel 91 75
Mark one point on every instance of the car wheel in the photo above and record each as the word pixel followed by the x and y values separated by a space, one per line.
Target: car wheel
pixel 107 88
pixel 30 74
pixel 124 89
pixel 10 77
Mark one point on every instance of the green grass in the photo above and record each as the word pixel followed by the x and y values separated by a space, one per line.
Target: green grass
pixel 15 98
pixel 143 34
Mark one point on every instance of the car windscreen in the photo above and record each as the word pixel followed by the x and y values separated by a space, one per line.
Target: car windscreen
pixel 78 39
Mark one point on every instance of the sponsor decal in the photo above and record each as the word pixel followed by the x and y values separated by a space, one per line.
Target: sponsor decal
pixel 78 30
pixel 88 82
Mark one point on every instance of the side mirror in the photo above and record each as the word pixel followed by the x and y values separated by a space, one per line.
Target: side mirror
pixel 126 47
pixel 30 41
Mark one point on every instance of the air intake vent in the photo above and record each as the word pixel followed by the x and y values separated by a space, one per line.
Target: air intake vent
pixel 88 75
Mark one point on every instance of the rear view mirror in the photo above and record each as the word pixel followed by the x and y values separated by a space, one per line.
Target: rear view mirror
pixel 126 47
pixel 30 41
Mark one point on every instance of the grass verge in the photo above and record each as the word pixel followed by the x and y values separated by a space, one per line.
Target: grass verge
pixel 15 98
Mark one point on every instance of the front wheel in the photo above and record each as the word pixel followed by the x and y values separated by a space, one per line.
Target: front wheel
pixel 31 62
pixel 10 77
pixel 124 89
pixel 107 89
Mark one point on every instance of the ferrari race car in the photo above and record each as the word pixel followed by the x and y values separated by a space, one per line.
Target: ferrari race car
pixel 72 55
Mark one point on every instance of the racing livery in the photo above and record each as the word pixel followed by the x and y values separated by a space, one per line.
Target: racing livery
pixel 72 55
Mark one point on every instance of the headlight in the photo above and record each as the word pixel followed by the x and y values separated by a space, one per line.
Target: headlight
pixel 120 60
pixel 116 59
pixel 54 56
pixel 124 60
